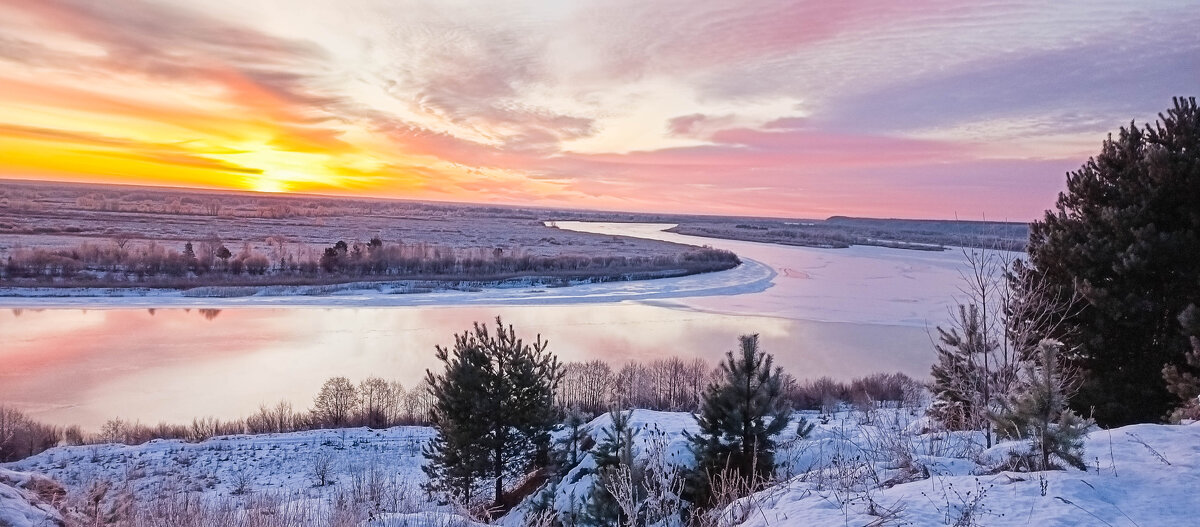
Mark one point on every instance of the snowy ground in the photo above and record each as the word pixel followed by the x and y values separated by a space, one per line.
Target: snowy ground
pixel 1138 475
pixel 857 468
pixel 231 466
pixel 26 500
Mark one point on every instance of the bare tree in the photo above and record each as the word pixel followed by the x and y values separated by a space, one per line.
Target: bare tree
pixel 418 403
pixel 375 402
pixel 1010 313
pixel 585 386
pixel 121 240
pixel 10 421
pixel 335 403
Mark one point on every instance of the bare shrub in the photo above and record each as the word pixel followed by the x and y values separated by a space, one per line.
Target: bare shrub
pixel 21 436
pixel 321 468
pixel 825 394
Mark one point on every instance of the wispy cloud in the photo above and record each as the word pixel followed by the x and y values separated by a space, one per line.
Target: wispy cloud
pixel 795 108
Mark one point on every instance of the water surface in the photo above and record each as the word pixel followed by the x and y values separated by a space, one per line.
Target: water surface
pixel 836 312
pixel 69 366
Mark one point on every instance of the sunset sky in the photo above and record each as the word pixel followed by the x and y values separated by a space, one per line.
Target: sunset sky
pixel 804 109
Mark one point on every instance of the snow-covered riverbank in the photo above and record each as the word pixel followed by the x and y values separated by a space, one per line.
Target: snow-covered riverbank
pixel 750 277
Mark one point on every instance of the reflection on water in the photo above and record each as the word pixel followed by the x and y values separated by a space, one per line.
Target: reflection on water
pixel 69 366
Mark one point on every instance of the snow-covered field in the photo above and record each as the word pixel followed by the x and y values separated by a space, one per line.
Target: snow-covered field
pixel 877 467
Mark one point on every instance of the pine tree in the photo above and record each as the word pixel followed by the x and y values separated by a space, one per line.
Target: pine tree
pixel 1184 381
pixel 739 418
pixel 613 454
pixel 1125 236
pixel 1038 412
pixel 571 446
pixel 493 410
pixel 959 381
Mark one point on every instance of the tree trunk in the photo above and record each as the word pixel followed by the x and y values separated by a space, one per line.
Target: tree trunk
pixel 499 473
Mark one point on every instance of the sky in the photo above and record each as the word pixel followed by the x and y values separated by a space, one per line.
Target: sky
pixel 919 109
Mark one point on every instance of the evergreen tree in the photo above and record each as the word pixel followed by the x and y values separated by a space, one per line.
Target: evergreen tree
pixel 739 417
pixel 959 381
pixel 572 444
pixel 1126 234
pixel 189 256
pixel 1184 381
pixel 1038 412
pixel 493 410
pixel 613 454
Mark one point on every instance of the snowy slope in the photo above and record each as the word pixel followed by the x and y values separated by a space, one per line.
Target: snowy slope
pixel 26 500
pixel 240 466
pixel 1138 475
pixel 876 467
pixel 884 467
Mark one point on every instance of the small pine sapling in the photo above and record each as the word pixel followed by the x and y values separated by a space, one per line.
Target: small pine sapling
pixel 804 428
pixel 614 470
pixel 740 416
pixel 1038 412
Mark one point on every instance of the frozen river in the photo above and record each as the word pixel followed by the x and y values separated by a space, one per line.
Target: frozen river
pixel 835 312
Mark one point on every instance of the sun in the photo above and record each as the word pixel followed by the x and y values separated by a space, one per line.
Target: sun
pixel 265 184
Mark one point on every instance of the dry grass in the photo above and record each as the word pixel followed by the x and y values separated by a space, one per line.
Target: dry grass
pixel 370 494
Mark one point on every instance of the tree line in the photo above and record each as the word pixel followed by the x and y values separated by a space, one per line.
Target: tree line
pixel 211 260
pixel 586 389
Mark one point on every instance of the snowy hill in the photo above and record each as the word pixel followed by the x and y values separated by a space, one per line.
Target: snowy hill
pixel 876 467
pixel 1138 475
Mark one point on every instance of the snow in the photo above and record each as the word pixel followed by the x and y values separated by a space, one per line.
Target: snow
pixel 239 467
pixel 421 519
pixel 21 504
pixel 855 467
pixel 1127 483
pixel 577 483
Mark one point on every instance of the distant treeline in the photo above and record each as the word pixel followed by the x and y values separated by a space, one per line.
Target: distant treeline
pixel 589 388
pixel 40 197
pixel 842 232
pixel 211 262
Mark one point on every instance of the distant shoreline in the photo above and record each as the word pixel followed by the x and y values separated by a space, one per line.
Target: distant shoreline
pixel 391 287
pixel 748 277
pixel 887 244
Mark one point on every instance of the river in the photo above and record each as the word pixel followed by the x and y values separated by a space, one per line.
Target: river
pixel 822 312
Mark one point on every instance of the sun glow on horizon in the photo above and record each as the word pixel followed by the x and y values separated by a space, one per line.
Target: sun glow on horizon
pixel 268 185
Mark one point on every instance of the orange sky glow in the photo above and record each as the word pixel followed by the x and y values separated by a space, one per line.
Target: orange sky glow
pixel 801 108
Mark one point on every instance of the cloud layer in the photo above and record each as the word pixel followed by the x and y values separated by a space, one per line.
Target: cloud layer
pixel 934 108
